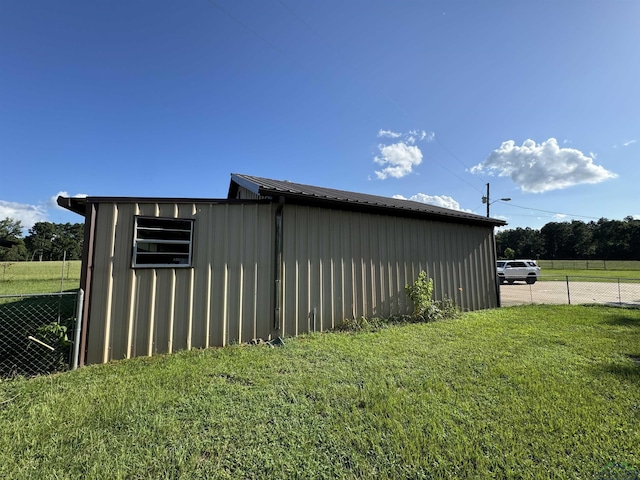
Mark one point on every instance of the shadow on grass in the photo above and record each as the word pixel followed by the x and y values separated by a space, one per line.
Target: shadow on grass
pixel 629 370
pixel 34 334
pixel 623 320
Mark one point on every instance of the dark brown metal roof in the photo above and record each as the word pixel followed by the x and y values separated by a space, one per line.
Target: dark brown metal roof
pixel 305 194
pixel 328 197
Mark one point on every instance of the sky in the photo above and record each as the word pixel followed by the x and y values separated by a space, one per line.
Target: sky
pixel 424 100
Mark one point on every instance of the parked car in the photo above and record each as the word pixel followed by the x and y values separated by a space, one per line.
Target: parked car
pixel 518 270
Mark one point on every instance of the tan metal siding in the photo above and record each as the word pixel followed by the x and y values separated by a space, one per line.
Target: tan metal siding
pixel 346 264
pixel 226 297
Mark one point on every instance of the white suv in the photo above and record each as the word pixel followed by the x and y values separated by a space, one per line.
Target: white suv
pixel 518 270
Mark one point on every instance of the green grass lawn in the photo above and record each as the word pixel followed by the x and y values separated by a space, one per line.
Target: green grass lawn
pixel 522 392
pixel 589 275
pixel 589 271
pixel 590 265
pixel 38 277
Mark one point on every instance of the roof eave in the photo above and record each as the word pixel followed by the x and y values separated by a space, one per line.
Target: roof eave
pixel 74 204
pixel 388 210
pixel 239 181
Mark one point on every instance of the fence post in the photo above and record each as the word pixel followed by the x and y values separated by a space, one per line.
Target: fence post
pixel 76 337
pixel 619 293
pixel 568 291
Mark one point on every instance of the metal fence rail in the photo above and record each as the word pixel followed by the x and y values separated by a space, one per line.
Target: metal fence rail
pixel 573 290
pixel 36 333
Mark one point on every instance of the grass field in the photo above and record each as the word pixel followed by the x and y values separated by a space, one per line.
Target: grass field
pixel 589 271
pixel 38 277
pixel 590 265
pixel 589 275
pixel 522 392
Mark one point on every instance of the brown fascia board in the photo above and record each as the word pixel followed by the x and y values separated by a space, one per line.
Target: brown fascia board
pixel 74 204
pixel 78 204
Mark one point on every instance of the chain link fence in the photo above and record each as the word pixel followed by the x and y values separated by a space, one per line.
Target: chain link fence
pixel 37 333
pixel 573 290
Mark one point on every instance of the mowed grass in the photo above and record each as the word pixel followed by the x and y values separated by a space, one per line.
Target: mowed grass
pixel 38 277
pixel 521 392
pixel 589 275
pixel 613 265
pixel 591 271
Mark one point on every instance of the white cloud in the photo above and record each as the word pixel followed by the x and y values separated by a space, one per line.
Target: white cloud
pixel 626 144
pixel 388 133
pixel 542 167
pixel 559 216
pixel 27 214
pixel 437 200
pixel 31 214
pixel 399 159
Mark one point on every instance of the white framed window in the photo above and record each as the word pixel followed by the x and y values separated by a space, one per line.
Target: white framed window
pixel 162 242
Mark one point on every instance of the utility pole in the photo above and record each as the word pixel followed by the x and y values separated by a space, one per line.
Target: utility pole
pixel 487 197
pixel 488 202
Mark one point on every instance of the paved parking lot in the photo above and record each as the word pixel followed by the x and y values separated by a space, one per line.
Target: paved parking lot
pixel 576 292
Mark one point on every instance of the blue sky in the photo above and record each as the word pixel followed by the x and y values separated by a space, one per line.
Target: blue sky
pixel 421 99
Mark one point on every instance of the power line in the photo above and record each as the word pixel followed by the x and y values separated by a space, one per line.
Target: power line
pixel 249 29
pixel 552 212
pixel 345 61
pixel 384 94
pixel 281 52
pixel 342 57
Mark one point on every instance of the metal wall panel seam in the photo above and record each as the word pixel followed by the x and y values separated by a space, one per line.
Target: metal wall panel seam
pixel 225 289
pixel 152 313
pixel 240 303
pixel 133 300
pixel 207 311
pixel 171 310
pixel 190 309
pixel 109 290
pixel 131 317
pixel 241 278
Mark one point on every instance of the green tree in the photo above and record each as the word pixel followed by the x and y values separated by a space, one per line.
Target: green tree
pixel 11 230
pixel 40 241
pixel 525 242
pixel 50 241
pixel 558 241
pixel 581 237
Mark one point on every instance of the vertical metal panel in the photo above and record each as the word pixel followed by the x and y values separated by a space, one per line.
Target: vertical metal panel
pixel 245 194
pixel 98 333
pixel 226 297
pixel 336 264
pixel 369 259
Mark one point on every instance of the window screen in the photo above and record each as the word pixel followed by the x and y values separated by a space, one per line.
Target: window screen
pixel 162 242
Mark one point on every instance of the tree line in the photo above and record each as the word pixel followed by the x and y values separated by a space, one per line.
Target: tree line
pixel 45 241
pixel 575 240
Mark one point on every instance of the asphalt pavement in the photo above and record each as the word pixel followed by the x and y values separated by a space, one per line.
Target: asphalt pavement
pixel 572 292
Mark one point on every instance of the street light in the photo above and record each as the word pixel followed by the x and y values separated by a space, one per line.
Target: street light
pixel 486 200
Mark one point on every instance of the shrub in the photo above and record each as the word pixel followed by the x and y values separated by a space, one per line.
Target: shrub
pixel 425 309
